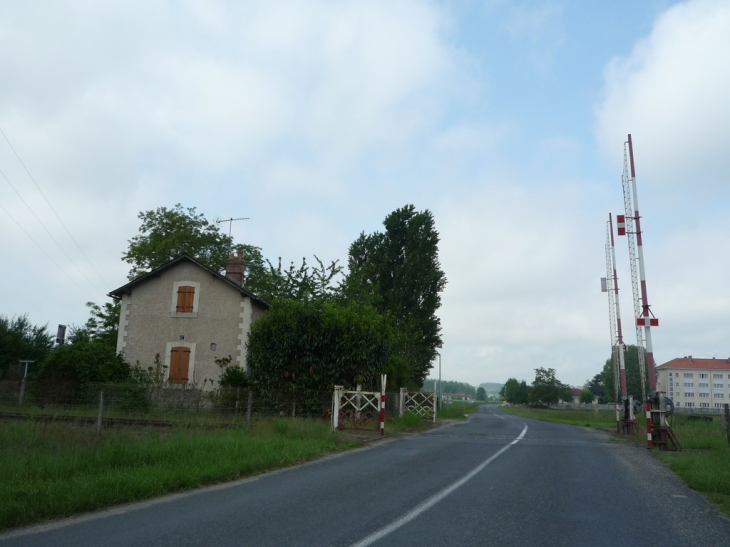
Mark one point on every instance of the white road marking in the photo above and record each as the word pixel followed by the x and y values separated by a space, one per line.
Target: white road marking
pixel 433 500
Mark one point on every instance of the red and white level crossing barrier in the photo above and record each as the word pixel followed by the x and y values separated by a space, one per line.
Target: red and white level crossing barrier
pixel 649 442
pixel 382 413
pixel 647 321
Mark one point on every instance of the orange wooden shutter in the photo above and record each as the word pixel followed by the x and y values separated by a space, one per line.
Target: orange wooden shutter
pixel 179 364
pixel 185 297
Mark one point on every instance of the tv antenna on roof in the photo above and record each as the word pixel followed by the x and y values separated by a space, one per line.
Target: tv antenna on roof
pixel 230 222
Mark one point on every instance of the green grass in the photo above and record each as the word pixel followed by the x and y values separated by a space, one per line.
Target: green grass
pixel 51 470
pixel 600 419
pixel 457 410
pixel 703 464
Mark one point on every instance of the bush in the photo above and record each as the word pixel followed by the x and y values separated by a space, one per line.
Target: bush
pixel 78 364
pixel 307 347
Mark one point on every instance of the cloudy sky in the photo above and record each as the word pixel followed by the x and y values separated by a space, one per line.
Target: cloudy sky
pixel 317 118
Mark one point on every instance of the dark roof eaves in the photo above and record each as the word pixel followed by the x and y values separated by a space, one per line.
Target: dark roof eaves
pixel 117 293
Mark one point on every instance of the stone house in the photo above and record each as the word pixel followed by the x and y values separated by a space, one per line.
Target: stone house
pixel 191 315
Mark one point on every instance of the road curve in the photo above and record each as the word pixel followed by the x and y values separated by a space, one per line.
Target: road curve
pixel 494 480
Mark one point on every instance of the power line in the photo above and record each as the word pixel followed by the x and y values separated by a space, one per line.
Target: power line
pixel 48 231
pixel 51 206
pixel 43 250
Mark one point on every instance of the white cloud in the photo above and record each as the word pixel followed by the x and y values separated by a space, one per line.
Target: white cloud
pixel 671 94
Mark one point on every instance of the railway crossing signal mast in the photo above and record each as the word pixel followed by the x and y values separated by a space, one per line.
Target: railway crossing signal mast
pixel 609 284
pixel 658 431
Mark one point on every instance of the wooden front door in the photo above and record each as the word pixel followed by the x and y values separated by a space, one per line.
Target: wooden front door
pixel 179 364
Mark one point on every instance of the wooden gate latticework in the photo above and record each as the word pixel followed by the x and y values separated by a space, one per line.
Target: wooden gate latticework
pixel 358 409
pixel 419 403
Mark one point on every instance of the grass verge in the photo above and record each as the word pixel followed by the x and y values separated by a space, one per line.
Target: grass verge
pixel 51 470
pixel 599 419
pixel 703 464
pixel 457 410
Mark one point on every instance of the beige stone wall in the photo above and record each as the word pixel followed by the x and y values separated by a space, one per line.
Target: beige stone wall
pixel 222 317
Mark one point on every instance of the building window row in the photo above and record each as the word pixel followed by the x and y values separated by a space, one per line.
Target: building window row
pixel 689 394
pixel 704 405
pixel 689 384
pixel 704 395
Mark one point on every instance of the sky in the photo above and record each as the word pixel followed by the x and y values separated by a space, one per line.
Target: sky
pixel 315 119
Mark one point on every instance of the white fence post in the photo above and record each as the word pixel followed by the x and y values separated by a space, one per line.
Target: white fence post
pixel 336 407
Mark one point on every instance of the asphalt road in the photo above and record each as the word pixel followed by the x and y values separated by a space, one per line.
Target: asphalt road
pixel 495 480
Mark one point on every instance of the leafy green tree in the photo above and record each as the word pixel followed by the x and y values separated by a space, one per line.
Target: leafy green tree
pixel 523 393
pixel 633 376
pixel 481 394
pixel 19 339
pixel 586 396
pixel 302 283
pixel 309 347
pixel 398 272
pixel 450 386
pixel 103 325
pixel 167 233
pixel 547 389
pixel 511 388
pixel 597 388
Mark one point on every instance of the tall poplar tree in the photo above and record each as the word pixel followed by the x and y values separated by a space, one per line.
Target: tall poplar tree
pixel 398 272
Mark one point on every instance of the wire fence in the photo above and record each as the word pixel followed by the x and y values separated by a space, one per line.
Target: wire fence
pixel 168 405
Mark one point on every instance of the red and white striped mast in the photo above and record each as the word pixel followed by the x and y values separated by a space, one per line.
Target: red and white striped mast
pixel 647 321
pixel 619 333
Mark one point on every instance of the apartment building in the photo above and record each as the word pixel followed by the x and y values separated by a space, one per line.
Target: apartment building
pixel 695 383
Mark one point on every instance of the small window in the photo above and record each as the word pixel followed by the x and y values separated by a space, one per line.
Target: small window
pixel 185 299
pixel 704 395
pixel 670 374
pixel 689 375
pixel 179 365
pixel 705 405
pixel 703 375
pixel 717 376
pixel 689 394
pixel 719 395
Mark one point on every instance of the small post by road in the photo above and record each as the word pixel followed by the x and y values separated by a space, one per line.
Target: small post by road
pixel 249 408
pixel 727 422
pixel 25 362
pixel 101 410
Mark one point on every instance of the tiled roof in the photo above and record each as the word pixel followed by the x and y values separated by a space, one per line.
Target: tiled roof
pixel 695 363
pixel 117 293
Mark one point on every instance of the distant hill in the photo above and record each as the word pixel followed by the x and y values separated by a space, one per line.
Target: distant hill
pixel 491 388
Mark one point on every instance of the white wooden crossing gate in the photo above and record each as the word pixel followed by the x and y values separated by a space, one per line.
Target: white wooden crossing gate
pixel 359 409
pixel 419 403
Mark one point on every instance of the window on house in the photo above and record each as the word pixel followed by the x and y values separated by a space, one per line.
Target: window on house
pixel 719 395
pixel 717 386
pixel 703 375
pixel 717 376
pixel 705 405
pixel 689 405
pixel 670 374
pixel 689 384
pixel 179 365
pixel 703 384
pixel 689 394
pixel 676 385
pixel 689 374
pixel 704 395
pixel 185 298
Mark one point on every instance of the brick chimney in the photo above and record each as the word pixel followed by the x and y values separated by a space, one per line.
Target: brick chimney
pixel 235 267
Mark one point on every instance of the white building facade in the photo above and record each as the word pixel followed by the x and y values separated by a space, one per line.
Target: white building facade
pixel 695 383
